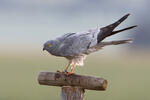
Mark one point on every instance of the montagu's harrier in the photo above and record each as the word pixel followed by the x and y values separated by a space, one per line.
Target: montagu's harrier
pixel 76 46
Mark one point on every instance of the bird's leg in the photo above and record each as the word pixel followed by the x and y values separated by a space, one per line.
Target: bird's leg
pixel 68 65
pixel 71 72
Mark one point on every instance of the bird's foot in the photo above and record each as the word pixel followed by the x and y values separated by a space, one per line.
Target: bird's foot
pixel 64 72
pixel 61 72
pixel 67 73
pixel 70 73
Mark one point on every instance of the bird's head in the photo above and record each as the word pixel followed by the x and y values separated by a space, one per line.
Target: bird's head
pixel 49 45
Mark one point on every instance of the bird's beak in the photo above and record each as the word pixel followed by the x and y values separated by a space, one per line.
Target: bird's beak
pixel 43 48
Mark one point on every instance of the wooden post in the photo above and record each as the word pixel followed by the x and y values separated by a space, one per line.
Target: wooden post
pixel 73 86
pixel 72 93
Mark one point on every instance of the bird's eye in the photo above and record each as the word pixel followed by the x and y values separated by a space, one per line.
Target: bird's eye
pixel 49 45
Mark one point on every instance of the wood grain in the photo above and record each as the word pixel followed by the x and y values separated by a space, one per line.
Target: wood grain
pixel 72 93
pixel 74 80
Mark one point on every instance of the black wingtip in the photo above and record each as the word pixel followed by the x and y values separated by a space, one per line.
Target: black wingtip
pixel 108 30
pixel 114 32
pixel 131 27
pixel 111 27
pixel 123 18
pixel 134 26
pixel 127 14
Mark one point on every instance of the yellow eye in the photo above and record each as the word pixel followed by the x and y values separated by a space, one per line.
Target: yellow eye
pixel 49 45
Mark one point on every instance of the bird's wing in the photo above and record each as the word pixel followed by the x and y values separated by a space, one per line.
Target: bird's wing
pixel 63 37
pixel 109 29
pixel 76 43
pixel 73 44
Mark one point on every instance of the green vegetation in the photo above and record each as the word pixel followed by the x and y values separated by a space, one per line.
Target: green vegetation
pixel 128 77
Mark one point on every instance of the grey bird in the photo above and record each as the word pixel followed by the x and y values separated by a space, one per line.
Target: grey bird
pixel 76 46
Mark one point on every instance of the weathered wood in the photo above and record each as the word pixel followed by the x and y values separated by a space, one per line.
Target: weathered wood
pixel 72 93
pixel 61 79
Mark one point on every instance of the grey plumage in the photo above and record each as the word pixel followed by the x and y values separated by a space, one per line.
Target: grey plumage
pixel 103 44
pixel 75 46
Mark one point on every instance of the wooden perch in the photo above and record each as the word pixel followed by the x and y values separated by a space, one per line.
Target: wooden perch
pixel 74 80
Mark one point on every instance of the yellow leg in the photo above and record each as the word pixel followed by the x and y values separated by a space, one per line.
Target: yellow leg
pixel 68 65
pixel 71 72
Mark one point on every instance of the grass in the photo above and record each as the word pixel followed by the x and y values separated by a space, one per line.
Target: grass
pixel 128 77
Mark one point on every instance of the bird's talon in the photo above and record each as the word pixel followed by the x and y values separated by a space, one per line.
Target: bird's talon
pixel 63 72
pixel 70 73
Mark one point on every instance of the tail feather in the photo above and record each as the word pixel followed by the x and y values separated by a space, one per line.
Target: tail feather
pixel 102 44
pixel 108 30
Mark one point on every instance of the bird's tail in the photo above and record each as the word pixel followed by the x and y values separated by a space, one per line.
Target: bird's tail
pixel 102 44
pixel 108 30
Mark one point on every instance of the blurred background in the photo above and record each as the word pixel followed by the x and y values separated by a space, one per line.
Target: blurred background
pixel 26 24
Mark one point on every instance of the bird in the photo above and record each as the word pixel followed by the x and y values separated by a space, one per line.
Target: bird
pixel 75 46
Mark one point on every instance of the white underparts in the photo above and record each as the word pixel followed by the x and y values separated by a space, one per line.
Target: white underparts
pixel 79 60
